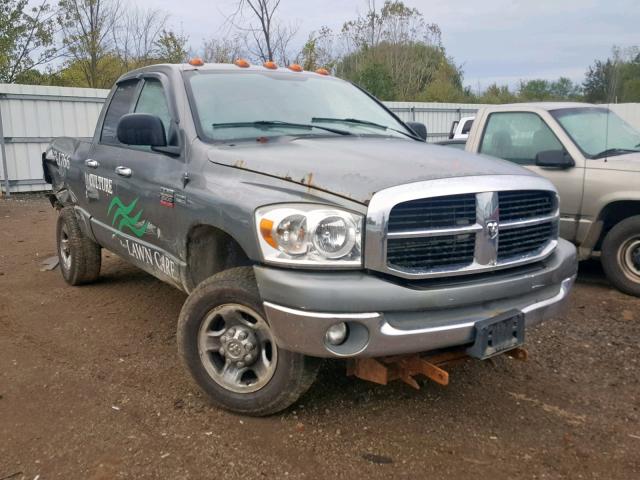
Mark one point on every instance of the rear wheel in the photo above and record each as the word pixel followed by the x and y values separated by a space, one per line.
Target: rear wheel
pixel 621 255
pixel 80 257
pixel 229 349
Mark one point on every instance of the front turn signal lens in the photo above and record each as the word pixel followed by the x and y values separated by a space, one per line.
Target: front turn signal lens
pixel 266 230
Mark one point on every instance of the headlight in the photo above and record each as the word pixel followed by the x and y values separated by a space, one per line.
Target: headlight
pixel 310 235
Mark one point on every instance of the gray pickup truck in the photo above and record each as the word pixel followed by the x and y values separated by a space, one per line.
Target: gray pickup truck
pixel 592 156
pixel 304 220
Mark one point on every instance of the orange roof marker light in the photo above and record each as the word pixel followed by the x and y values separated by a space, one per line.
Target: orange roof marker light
pixel 322 71
pixel 196 62
pixel 242 63
pixel 270 65
pixel 295 67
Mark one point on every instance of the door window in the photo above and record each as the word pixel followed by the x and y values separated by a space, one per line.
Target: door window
pixel 120 105
pixel 518 137
pixel 153 101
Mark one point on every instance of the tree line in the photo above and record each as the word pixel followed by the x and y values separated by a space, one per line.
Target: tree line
pixel 390 50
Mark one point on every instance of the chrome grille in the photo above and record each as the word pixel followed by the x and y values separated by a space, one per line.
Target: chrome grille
pixel 523 204
pixel 433 213
pixel 420 230
pixel 431 252
pixel 524 240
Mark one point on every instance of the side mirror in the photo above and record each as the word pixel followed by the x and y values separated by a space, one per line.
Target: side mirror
pixel 452 132
pixel 420 129
pixel 141 129
pixel 554 159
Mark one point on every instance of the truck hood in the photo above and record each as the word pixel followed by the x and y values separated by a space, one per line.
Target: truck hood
pixel 629 162
pixel 357 167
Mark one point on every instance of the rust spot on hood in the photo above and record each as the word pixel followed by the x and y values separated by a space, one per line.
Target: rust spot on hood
pixel 307 180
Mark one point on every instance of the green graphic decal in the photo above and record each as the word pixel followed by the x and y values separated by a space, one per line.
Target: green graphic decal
pixel 127 221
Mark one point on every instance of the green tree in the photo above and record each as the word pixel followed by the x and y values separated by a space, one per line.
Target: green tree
pixel 376 79
pixel 26 38
pixel 397 55
pixel 171 47
pixel 614 79
pixel 318 51
pixel 89 27
pixel 497 94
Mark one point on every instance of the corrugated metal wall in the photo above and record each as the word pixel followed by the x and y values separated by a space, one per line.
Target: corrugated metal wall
pixel 438 117
pixel 31 116
pixel 629 112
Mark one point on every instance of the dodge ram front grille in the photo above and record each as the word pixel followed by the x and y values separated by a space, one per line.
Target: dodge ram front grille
pixel 431 252
pixel 523 204
pixel 524 240
pixel 425 233
pixel 433 212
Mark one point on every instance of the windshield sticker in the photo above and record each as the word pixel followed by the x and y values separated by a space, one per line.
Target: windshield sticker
pixel 127 220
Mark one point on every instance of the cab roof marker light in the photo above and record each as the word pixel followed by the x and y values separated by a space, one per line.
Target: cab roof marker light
pixel 295 67
pixel 322 71
pixel 242 63
pixel 270 65
pixel 196 62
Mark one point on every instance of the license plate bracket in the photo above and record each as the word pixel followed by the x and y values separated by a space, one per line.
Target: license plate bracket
pixel 498 335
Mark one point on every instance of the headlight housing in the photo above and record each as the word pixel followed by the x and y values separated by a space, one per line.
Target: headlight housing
pixel 310 235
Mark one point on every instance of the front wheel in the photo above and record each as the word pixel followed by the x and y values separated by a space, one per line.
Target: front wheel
pixel 79 256
pixel 227 345
pixel 621 255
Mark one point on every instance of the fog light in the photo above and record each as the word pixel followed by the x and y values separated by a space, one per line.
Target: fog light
pixel 336 334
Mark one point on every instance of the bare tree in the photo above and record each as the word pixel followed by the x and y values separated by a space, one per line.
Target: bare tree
pixel 136 35
pixel 268 39
pixel 88 27
pixel 225 50
pixel 319 50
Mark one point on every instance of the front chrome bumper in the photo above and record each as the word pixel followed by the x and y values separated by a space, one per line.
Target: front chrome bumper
pixel 400 319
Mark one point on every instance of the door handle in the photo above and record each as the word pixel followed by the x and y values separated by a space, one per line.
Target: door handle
pixel 91 163
pixel 123 171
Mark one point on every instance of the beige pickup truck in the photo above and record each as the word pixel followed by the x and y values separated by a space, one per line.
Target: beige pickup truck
pixel 593 158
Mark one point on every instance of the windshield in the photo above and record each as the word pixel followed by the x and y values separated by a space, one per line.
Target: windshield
pixel 232 105
pixel 598 131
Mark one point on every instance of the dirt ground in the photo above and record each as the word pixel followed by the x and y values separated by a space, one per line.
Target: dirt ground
pixel 91 387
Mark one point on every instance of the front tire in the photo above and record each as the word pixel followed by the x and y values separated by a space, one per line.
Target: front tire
pixel 621 256
pixel 227 346
pixel 79 256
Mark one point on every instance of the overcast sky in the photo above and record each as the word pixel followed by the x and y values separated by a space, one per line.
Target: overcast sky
pixel 495 40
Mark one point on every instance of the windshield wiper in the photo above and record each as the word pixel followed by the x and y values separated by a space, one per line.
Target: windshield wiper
pixel 357 121
pixel 614 151
pixel 276 124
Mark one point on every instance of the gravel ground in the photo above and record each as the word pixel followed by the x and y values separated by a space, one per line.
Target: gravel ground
pixel 91 387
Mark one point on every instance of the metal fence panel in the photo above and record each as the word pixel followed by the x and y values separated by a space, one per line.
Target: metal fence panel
pixel 438 117
pixel 31 116
pixel 629 112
